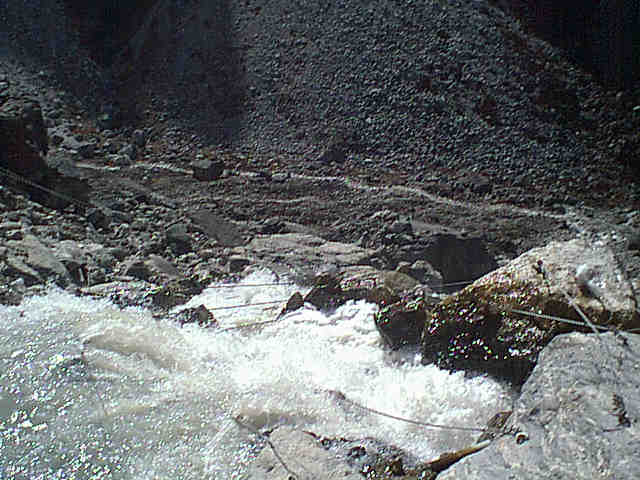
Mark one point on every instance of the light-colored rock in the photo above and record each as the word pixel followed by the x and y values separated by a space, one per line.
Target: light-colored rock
pixel 304 456
pixel 39 257
pixel 478 329
pixel 290 251
pixel 580 413
pixel 587 272
pixel 150 268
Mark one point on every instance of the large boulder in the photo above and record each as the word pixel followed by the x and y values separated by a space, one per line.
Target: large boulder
pixel 577 416
pixel 483 327
pixel 304 255
pixel 36 262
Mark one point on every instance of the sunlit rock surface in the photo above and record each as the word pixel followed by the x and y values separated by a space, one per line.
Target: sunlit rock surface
pixel 479 329
pixel 578 416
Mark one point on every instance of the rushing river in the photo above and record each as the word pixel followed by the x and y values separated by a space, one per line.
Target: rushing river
pixel 91 391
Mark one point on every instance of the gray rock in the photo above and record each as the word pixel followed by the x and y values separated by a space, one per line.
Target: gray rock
pixel 139 138
pixel 110 147
pixel 15 267
pixel 137 268
pixel 400 226
pixel 161 266
pixel 305 254
pixel 75 259
pixel 226 233
pixel 87 149
pixel 426 274
pixel 578 414
pixel 304 455
pixel 129 151
pixel 153 268
pixel 125 293
pixel 84 149
pixel 40 258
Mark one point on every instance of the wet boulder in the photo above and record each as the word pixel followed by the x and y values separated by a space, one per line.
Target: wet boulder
pixel 199 315
pixel 358 283
pixel 295 302
pixel 303 452
pixel 401 323
pixel 494 325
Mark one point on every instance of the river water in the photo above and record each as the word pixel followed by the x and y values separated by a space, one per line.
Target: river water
pixel 91 391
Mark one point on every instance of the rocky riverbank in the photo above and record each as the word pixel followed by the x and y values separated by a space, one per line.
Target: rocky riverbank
pixel 403 179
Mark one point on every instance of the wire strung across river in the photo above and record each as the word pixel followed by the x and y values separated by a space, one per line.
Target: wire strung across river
pixel 343 398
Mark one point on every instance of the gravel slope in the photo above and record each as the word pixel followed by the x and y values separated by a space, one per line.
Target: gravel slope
pixel 453 95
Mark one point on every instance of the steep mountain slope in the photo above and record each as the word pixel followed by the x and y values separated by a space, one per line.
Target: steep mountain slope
pixel 425 87
pixel 452 95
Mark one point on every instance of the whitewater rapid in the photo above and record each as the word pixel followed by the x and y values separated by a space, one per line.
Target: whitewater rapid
pixel 92 391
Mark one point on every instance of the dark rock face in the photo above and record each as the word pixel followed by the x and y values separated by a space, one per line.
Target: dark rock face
pixel 207 170
pixel 401 324
pixel 23 144
pixel 103 26
pixel 603 35
pixel 456 257
pixel 22 137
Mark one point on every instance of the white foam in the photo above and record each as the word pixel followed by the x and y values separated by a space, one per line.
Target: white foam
pixel 159 400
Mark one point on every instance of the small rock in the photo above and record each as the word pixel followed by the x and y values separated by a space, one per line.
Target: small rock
pixel 138 138
pixel 129 151
pixel 207 170
pixel 200 315
pixel 237 263
pixel 86 150
pixel 296 302
pixel 178 239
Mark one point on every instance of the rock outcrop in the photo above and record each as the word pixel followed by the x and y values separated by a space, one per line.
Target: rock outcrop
pixel 303 254
pixel 577 415
pixel 490 326
pixel 24 144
